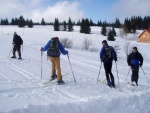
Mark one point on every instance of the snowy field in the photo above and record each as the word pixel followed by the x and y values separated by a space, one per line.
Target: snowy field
pixel 23 91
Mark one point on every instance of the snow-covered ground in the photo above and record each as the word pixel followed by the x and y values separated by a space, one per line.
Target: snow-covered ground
pixel 23 91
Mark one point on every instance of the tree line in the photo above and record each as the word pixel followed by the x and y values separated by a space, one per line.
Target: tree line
pixel 130 25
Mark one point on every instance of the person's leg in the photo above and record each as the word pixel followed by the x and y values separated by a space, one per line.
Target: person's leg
pixel 18 48
pixel 136 75
pixel 14 51
pixel 106 67
pixel 58 70
pixel 110 73
pixel 52 59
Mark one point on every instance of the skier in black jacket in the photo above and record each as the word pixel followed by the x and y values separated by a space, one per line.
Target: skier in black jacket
pixel 17 42
pixel 135 59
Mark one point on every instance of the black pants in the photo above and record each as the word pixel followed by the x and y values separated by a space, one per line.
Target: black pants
pixel 108 67
pixel 17 48
pixel 135 73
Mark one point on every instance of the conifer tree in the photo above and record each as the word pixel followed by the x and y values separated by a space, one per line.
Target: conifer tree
pixel 70 25
pixel 113 31
pixel 21 22
pixel 56 24
pixel 42 22
pixel 110 37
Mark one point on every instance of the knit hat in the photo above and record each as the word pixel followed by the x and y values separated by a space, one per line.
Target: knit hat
pixel 104 41
pixel 135 48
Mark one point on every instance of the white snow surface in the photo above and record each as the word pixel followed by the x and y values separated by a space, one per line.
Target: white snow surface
pixel 22 90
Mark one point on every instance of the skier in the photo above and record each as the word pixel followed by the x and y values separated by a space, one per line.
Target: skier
pixel 135 59
pixel 54 47
pixel 107 55
pixel 17 42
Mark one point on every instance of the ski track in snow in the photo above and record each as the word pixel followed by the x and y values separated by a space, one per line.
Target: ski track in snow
pixel 23 91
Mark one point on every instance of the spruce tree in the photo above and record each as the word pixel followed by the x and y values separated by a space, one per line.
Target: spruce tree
pixel 87 29
pixel 56 24
pixel 113 31
pixel 30 24
pixel 82 26
pixel 70 25
pixel 21 22
pixel 110 36
pixel 103 30
pixel 42 22
pixel 65 25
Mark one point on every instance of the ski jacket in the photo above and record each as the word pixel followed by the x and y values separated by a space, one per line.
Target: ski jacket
pixel 103 53
pixel 61 48
pixel 135 59
pixel 17 40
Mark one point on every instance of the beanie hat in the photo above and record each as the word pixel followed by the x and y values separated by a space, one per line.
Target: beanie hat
pixel 104 41
pixel 135 48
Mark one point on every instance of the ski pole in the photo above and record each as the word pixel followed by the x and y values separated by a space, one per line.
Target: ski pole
pixel 127 76
pixel 99 72
pixel 22 48
pixel 117 73
pixel 145 75
pixel 41 62
pixel 71 69
pixel 10 51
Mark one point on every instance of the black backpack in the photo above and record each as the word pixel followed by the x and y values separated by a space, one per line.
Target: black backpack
pixel 20 41
pixel 109 55
pixel 53 49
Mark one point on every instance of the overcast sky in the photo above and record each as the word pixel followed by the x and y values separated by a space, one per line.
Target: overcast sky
pixel 76 9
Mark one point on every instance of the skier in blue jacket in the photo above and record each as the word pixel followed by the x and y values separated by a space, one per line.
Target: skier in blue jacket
pixel 107 55
pixel 54 49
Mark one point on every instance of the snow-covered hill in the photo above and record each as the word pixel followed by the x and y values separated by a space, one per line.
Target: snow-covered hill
pixel 23 91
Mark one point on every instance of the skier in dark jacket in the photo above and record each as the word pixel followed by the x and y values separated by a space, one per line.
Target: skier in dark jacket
pixel 54 47
pixel 135 59
pixel 17 42
pixel 107 55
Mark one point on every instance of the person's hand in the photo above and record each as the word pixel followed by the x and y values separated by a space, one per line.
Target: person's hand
pixel 141 64
pixel 41 49
pixel 66 52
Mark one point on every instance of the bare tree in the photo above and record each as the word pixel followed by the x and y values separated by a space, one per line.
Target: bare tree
pixel 116 48
pixel 86 44
pixel 127 48
pixel 66 43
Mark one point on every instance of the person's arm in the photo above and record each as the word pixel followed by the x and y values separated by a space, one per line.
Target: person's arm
pixel 129 60
pixel 102 53
pixel 62 50
pixel 141 59
pixel 46 46
pixel 115 55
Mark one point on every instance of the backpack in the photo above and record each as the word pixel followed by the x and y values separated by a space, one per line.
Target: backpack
pixel 53 49
pixel 109 55
pixel 20 41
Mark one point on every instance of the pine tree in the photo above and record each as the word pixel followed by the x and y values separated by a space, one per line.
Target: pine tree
pixel 82 24
pixel 65 25
pixel 56 24
pixel 117 23
pixel 42 22
pixel 110 37
pixel 21 22
pixel 30 24
pixel 87 29
pixel 70 25
pixel 113 31
pixel 103 30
